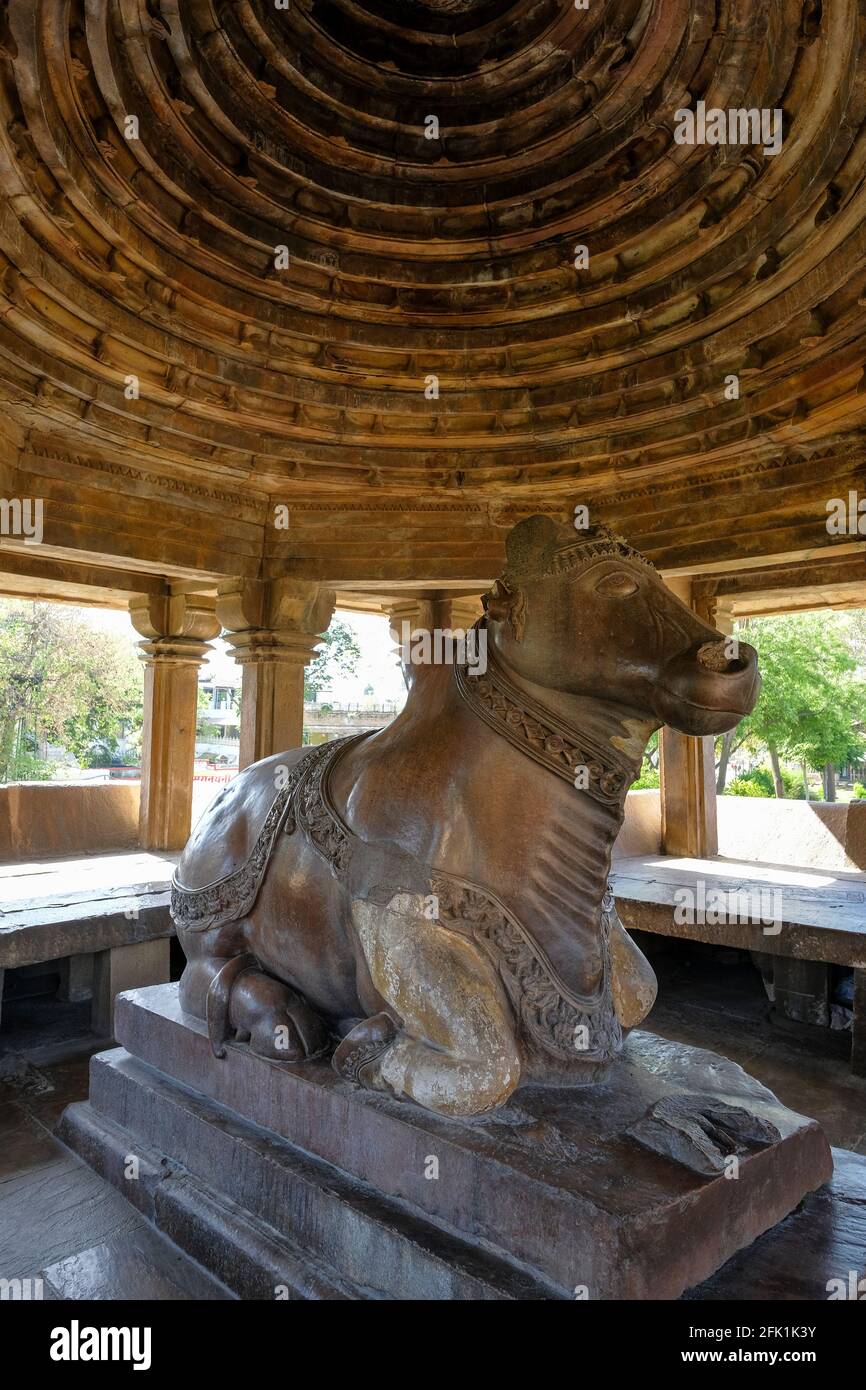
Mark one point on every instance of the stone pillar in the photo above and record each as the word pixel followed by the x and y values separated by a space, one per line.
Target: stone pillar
pixel 418 610
pixel 802 990
pixel 688 783
pixel 721 615
pixel 464 611
pixel 433 610
pixel 273 628
pixel 177 630
pixel 135 966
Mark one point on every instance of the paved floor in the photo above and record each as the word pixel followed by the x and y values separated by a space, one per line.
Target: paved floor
pixel 61 1222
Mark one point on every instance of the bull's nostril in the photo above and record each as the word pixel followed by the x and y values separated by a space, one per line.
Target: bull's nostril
pixel 715 656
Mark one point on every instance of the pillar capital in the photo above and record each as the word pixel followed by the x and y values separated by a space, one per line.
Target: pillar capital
pixel 466 609
pixel 175 617
pixel 415 609
pixel 431 612
pixel 273 628
pixel 177 628
pixel 426 612
pixel 275 605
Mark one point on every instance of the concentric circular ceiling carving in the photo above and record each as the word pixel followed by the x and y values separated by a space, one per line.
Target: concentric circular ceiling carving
pixel 156 154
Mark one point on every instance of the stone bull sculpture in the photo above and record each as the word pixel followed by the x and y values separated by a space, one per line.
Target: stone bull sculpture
pixel 433 897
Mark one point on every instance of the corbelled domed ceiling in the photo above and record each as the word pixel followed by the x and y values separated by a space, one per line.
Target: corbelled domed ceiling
pixel 293 226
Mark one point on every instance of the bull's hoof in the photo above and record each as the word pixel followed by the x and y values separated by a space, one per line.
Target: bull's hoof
pixel 366 1043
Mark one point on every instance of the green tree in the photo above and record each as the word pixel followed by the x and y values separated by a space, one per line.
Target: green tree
pixel 812 701
pixel 339 657
pixel 649 775
pixel 65 682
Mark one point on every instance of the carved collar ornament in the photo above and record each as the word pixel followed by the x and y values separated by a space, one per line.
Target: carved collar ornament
pixel 541 734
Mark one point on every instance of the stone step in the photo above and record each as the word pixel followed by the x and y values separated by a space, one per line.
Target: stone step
pixel 251 1260
pixel 290 1221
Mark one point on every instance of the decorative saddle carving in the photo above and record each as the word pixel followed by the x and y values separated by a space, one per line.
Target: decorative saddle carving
pixel 557 1020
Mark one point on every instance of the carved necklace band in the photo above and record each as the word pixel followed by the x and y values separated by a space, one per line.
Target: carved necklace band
pixel 539 733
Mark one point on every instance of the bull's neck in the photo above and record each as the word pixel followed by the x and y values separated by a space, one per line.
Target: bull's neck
pixel 571 734
pixel 565 857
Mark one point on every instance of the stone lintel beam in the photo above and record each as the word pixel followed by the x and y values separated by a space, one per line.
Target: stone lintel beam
pixel 177 630
pixel 273 628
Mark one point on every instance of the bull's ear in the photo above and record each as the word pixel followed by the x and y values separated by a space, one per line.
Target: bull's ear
pixel 504 605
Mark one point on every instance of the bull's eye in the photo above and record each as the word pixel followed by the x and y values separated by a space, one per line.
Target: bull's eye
pixel 616 586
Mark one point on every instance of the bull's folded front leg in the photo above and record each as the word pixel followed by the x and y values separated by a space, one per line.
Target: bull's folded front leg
pixel 448 1039
pixel 224 985
pixel 276 1019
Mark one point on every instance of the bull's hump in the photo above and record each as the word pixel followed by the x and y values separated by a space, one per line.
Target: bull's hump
pixel 225 837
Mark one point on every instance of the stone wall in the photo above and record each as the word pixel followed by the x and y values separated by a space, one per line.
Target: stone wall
pixel 809 834
pixel 41 820
pixel 44 820
pixel 641 831
pixel 814 834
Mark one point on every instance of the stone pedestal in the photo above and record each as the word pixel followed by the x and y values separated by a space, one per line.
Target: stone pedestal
pixel 286 1181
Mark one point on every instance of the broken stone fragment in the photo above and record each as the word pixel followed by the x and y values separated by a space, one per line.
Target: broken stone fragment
pixel 701 1132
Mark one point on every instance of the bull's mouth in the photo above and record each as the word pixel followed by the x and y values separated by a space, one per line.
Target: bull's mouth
pixel 740 707
pixel 720 711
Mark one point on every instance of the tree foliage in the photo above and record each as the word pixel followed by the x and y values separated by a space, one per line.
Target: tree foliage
pixel 62 682
pixel 813 701
pixel 339 657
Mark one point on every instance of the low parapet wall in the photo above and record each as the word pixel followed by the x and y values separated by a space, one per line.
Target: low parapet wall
pixel 809 834
pixel 40 820
pixel 46 820
pixel 804 834
pixel 641 831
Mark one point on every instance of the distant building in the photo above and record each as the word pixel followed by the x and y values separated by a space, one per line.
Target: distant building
pixel 218 727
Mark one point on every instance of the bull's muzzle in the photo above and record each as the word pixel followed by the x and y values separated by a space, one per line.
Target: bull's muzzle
pixel 714 656
pixel 708 688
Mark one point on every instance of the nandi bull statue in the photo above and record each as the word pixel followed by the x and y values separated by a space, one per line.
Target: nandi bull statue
pixel 433 897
